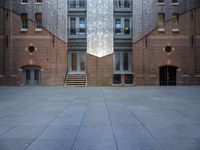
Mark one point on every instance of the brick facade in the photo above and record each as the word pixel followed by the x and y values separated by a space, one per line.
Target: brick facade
pixel 149 54
pixel 50 52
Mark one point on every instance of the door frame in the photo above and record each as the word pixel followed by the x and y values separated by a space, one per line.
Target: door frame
pixel 167 74
pixel 78 70
pixel 32 69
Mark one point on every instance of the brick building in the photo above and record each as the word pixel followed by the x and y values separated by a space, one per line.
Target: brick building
pixel 100 43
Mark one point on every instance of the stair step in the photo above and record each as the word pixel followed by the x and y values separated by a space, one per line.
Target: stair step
pixel 76 80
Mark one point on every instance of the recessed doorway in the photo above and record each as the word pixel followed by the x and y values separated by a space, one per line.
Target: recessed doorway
pixel 168 75
pixel 31 75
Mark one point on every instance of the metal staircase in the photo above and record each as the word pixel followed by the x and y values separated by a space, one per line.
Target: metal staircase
pixel 75 80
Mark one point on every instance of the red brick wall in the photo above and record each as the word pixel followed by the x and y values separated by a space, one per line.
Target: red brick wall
pixel 100 70
pixel 51 53
pixel 148 54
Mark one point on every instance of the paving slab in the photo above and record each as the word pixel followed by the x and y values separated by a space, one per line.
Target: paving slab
pixel 100 118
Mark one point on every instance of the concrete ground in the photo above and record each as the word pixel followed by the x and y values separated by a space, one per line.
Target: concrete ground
pixel 131 118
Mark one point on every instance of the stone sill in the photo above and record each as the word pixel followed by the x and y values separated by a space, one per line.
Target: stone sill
pixel 38 30
pixel 175 30
pixel 24 3
pixel 161 30
pixel 175 4
pixel 24 30
pixel 38 3
pixel 161 4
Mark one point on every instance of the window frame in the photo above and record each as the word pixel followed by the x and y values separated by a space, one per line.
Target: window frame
pixel 24 22
pixel 22 2
pixel 122 29
pixel 122 69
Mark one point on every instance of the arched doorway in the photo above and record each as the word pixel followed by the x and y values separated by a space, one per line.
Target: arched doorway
pixel 168 75
pixel 31 75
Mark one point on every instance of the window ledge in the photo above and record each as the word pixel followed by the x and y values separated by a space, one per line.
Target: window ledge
pixel 161 30
pixel 161 4
pixel 175 4
pixel 24 3
pixel 175 30
pixel 38 3
pixel 24 30
pixel 38 30
pixel 1 76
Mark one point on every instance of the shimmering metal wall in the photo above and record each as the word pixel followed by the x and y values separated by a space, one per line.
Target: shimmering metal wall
pixel 145 14
pixel 54 13
pixel 100 27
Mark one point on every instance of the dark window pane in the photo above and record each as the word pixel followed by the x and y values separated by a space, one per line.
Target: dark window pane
pixel 28 76
pixel 128 79
pixel 117 79
pixel 117 61
pixel 125 61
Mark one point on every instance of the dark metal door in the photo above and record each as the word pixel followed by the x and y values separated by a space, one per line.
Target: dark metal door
pixel 168 75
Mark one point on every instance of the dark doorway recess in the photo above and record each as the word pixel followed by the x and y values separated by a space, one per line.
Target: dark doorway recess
pixel 168 75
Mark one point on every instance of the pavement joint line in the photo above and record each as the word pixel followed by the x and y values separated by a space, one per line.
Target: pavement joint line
pixel 143 125
pixel 28 145
pixel 75 138
pixel 9 130
pixel 115 139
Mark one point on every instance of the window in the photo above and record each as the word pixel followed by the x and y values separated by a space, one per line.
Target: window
pixel 175 22
pixel 161 20
pixel 77 3
pixel 122 62
pixel 24 21
pixel 38 19
pixel 161 1
pixel 77 26
pixel 128 79
pixel 122 3
pixel 117 79
pixel 122 26
pixel 7 41
pixel 24 1
pixel 38 1
pixel 174 1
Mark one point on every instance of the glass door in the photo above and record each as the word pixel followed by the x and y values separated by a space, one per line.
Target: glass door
pixel 77 62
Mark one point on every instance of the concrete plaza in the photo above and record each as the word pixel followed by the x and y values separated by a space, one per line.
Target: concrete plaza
pixel 104 118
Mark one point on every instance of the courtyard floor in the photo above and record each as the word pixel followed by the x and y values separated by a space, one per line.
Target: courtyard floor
pixel 130 118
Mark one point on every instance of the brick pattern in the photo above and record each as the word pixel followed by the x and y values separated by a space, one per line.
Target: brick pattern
pixel 99 70
pixel 50 54
pixel 148 54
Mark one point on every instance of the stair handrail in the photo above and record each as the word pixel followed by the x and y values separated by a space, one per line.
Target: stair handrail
pixel 65 77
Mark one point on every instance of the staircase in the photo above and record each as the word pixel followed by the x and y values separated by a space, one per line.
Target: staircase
pixel 76 80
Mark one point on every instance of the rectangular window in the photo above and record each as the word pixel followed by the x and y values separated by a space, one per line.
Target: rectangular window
pixel 72 26
pixel 122 26
pixel 77 3
pixel 117 79
pixel 122 3
pixel 81 25
pixel 77 26
pixel 174 1
pixel 117 61
pixel 160 1
pixel 24 1
pixel 24 21
pixel 38 18
pixel 174 21
pixel 7 41
pixel 38 1
pixel 122 61
pixel 126 26
pixel 125 61
pixel 161 20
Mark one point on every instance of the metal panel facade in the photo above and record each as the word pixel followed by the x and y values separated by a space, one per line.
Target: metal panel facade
pixel 100 27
